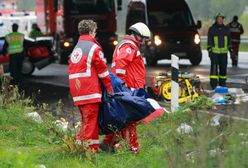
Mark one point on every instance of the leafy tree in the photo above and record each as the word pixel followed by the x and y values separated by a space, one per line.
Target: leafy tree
pixel 207 9
pixel 228 7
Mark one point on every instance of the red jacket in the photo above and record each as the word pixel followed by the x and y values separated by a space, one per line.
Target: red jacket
pixel 86 67
pixel 128 63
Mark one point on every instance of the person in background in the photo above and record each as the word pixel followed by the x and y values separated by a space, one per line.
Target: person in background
pixel 129 66
pixel 219 43
pixel 15 47
pixel 86 69
pixel 236 30
pixel 35 32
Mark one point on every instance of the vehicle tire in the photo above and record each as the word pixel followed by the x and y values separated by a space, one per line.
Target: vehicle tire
pixel 27 67
pixel 195 58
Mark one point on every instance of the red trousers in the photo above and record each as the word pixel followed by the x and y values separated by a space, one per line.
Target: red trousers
pixel 88 133
pixel 128 133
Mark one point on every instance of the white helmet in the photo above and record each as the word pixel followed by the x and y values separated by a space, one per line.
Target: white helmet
pixel 141 29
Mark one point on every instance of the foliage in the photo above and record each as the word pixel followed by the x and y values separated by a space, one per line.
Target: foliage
pixel 208 9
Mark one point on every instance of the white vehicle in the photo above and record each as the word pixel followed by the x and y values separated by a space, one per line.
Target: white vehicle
pixel 24 23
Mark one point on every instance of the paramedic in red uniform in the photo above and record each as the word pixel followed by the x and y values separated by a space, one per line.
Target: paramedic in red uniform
pixel 129 66
pixel 86 68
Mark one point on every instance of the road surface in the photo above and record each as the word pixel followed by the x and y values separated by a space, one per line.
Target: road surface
pixel 51 83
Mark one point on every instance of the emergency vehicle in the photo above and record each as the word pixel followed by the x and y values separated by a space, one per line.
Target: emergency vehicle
pixel 38 52
pixel 60 18
pixel 173 28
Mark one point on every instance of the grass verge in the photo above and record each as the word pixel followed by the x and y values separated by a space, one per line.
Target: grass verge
pixel 26 143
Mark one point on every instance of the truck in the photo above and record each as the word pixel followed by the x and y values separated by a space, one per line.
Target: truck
pixel 60 18
pixel 173 27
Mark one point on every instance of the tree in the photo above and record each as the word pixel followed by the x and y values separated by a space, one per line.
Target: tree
pixel 228 7
pixel 207 9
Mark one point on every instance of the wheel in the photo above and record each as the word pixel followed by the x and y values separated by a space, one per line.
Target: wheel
pixel 166 91
pixel 27 67
pixel 195 58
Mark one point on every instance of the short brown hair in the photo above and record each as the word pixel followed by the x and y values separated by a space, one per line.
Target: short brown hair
pixel 86 26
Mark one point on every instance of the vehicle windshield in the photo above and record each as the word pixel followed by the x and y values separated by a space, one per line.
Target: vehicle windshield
pixel 77 7
pixel 176 18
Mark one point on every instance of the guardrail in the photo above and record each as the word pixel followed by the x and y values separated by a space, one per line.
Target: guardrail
pixel 244 39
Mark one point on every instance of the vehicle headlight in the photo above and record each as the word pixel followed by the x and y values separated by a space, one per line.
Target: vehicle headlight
pixel 197 39
pixel 115 42
pixel 157 40
pixel 66 44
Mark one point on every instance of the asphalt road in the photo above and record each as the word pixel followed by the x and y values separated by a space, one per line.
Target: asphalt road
pixel 51 83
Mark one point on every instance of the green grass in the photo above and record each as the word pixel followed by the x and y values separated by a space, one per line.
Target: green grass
pixel 25 143
pixel 242 47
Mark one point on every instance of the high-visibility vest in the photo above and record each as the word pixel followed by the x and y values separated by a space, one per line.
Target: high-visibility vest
pixel 15 41
pixel 216 49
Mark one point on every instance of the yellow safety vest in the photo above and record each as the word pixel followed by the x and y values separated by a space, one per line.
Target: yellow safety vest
pixel 218 50
pixel 15 41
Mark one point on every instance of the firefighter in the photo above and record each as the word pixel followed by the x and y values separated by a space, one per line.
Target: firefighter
pixel 218 45
pixel 236 30
pixel 86 69
pixel 129 66
pixel 15 47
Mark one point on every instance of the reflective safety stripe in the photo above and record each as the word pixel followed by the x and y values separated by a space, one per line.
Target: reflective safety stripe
pixel 235 30
pixel 88 142
pixel 103 75
pixel 15 41
pixel 120 71
pixel 87 97
pixel 94 141
pixel 78 75
pixel 213 77
pixel 88 64
pixel 130 42
pixel 216 48
pixel 222 77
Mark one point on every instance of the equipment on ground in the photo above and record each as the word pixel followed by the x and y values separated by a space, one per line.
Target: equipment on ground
pixel 189 86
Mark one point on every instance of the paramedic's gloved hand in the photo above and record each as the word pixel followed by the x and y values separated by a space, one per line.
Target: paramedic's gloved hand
pixel 110 94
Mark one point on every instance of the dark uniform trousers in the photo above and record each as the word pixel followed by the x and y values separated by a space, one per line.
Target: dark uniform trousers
pixel 15 67
pixel 218 76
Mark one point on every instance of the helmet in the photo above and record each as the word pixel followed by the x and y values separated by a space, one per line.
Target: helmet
pixel 219 15
pixel 140 29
